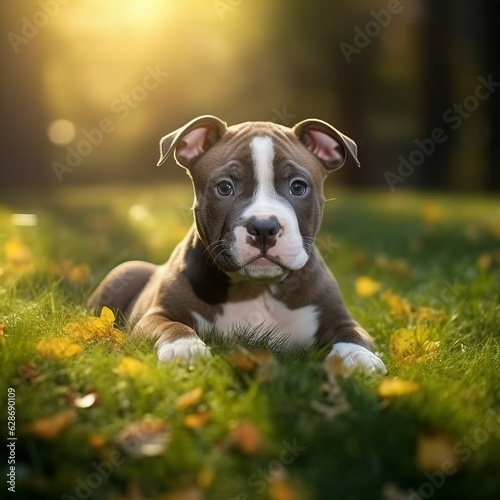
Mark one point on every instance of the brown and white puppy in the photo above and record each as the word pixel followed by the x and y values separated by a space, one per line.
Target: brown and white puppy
pixel 250 257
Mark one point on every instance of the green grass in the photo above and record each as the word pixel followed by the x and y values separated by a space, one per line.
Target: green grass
pixel 367 452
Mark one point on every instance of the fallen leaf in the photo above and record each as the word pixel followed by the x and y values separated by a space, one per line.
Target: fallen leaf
pixel 58 348
pixel 412 345
pixel 49 428
pixel 2 329
pixel 94 328
pixel 247 438
pixel 144 438
pixel 79 274
pixel 189 399
pixel 434 450
pixel 196 420
pixel 399 307
pixel 97 441
pixel 187 493
pixel 29 374
pixel 366 287
pixel 282 489
pixel 260 363
pixel 429 314
pixel 131 367
pixel 18 256
pixel 432 213
pixel 334 365
pixel 205 476
pixel 494 229
pixel 394 387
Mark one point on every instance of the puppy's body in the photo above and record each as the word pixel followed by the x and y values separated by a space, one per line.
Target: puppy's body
pixel 250 258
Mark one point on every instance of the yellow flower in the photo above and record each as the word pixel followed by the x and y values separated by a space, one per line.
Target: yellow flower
pixel 58 348
pixel 366 287
pixel 410 346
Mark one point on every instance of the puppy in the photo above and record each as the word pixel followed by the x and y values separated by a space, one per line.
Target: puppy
pixel 249 258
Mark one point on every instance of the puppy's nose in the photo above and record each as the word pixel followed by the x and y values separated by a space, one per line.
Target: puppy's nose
pixel 263 230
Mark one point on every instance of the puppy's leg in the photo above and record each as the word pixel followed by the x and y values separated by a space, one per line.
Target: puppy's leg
pixel 174 340
pixel 121 285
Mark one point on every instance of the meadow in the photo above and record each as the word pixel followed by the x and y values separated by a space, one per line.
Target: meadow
pixel 95 416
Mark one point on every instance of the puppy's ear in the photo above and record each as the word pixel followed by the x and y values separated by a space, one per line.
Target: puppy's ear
pixel 325 142
pixel 192 140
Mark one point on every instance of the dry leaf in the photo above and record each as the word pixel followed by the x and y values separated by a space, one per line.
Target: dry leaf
pixel 366 287
pixel 79 274
pixel 29 374
pixel 335 366
pixel 144 438
pixel 187 493
pixel 58 348
pixel 435 452
pixel 205 476
pixel 97 441
pixel 399 307
pixel 428 314
pixel 2 329
pixel 131 367
pixel 261 363
pixel 393 387
pixel 282 489
pixel 432 213
pixel 18 255
pixel 189 399
pixel 49 428
pixel 96 328
pixel 247 438
pixel 494 229
pixel 412 345
pixel 196 420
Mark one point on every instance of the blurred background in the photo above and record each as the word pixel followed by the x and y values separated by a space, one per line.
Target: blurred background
pixel 88 87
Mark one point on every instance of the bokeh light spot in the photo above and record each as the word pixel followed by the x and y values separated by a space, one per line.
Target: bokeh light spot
pixel 61 132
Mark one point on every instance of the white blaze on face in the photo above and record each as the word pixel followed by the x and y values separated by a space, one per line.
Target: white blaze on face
pixel 289 248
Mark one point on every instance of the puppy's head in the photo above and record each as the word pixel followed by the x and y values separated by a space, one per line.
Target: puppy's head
pixel 258 189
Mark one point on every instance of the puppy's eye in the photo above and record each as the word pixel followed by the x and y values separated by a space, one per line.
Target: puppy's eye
pixel 225 188
pixel 298 188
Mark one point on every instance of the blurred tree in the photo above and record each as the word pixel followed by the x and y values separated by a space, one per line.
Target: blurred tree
pixel 436 84
pixel 22 128
pixel 491 13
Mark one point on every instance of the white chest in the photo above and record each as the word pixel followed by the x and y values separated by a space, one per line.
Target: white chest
pixel 265 313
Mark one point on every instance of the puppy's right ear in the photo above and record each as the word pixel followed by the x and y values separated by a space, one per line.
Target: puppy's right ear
pixel 192 140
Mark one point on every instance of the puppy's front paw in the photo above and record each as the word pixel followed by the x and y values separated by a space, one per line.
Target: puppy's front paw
pixel 187 349
pixel 355 356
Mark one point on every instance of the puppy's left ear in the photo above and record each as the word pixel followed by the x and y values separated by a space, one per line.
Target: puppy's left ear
pixel 325 142
pixel 192 140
